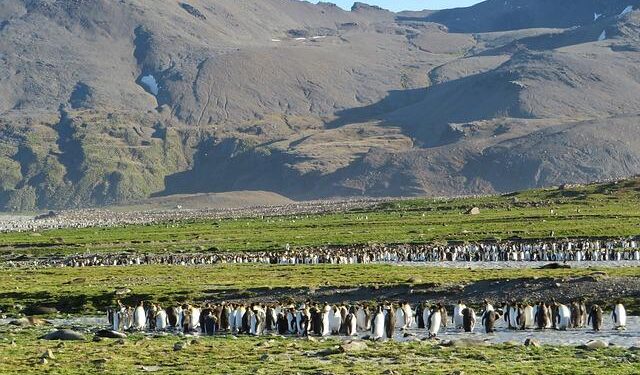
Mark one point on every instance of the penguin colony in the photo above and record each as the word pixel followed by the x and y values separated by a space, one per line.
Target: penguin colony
pixel 380 322
pixel 559 251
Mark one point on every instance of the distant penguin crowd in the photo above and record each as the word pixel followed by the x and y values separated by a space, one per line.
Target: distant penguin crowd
pixel 509 251
pixel 378 322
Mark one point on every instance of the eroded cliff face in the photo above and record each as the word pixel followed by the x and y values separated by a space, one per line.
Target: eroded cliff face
pixel 105 102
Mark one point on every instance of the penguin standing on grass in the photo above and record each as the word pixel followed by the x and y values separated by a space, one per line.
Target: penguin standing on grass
pixel 377 324
pixel 139 318
pixel 434 322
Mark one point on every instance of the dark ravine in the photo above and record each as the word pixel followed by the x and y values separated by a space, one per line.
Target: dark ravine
pixel 311 101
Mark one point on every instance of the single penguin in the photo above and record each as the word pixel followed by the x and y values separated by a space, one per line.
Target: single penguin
pixel 335 320
pixel 563 317
pixel 283 324
pixel 542 316
pixel 529 317
pixel 194 324
pixel 139 318
pixel 489 321
pixel 390 322
pixel 351 323
pixel 458 319
pixel 420 316
pixel 377 325
pixel 162 321
pixel 363 321
pixel 434 322
pixel 575 315
pixel 272 319
pixel 619 317
pixel 584 314
pixel 468 319
pixel 291 320
pixel 595 318
pixel 444 315
pixel 325 321
pixel 172 317
pixel 399 324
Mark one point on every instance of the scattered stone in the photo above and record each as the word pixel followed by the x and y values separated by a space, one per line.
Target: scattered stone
pixel 414 280
pixel 594 344
pixel 458 372
pixel 532 342
pixel 65 335
pixel 465 343
pixel 179 346
pixel 122 291
pixel 150 368
pixel 48 354
pixel 266 358
pixel 353 346
pixel 43 361
pixel 97 339
pixel 100 362
pixel 474 211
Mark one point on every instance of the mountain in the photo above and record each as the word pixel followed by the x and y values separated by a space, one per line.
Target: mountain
pixel 108 102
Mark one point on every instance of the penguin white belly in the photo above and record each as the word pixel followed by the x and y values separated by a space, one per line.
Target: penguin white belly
pixel 379 331
pixel 564 317
pixel 529 317
pixel 335 322
pixel 239 315
pixel 513 318
pixel 408 317
pixel 458 320
pixel 326 329
pixel 621 316
pixel 361 320
pixel 435 322
pixel 399 318
pixel 195 319
pixel 253 325
pixel 116 321
pixel 180 314
pixel 353 329
pixel 161 320
pixel 139 318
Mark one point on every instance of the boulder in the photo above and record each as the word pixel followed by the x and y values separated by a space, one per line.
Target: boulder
pixel 353 346
pixel 532 342
pixel 64 335
pixel 473 211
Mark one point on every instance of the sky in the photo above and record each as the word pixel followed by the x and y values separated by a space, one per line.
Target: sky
pixel 398 5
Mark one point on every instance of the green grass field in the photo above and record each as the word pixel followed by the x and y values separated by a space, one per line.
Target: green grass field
pixel 603 210
pixel 292 356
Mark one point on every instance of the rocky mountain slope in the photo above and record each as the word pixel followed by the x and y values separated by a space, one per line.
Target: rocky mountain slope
pixel 108 102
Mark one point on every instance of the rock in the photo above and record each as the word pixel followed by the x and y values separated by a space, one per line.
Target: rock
pixel 179 346
pixel 65 335
pixel 43 361
pixel 100 362
pixel 48 355
pixel 594 344
pixel 353 346
pixel 122 291
pixel 13 343
pixel 532 342
pixel 473 211
pixel 97 339
pixel 120 342
pixel 465 343
pixel 408 334
pixel 414 280
pixel 458 372
pixel 150 368
pixel 329 351
pixel 266 358
pixel 110 334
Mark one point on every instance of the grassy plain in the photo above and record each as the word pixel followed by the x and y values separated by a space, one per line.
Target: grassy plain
pixel 600 210
pixel 221 355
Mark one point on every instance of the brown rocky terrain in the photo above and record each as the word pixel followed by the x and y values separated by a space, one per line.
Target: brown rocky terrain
pixel 105 102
